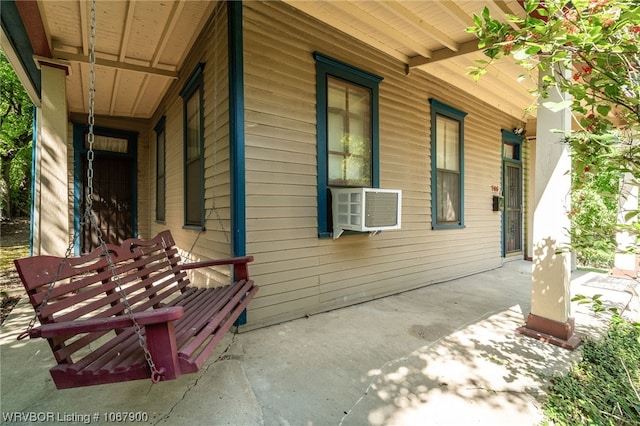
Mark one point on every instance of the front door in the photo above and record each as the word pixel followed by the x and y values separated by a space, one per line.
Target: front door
pixel 512 208
pixel 114 188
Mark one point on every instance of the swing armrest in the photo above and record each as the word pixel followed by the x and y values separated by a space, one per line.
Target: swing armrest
pixel 239 265
pixel 70 328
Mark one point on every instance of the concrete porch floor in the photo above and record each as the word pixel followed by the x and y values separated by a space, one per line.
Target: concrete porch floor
pixel 446 354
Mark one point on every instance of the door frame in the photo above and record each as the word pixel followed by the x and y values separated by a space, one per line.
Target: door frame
pixel 508 137
pixel 80 151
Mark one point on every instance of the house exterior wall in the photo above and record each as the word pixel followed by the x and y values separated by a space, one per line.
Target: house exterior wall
pixel 213 242
pixel 300 273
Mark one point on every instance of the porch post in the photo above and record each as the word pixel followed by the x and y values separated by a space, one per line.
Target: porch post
pixel 51 195
pixel 550 319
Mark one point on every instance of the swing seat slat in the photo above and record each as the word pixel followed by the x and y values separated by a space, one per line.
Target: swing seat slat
pixel 90 331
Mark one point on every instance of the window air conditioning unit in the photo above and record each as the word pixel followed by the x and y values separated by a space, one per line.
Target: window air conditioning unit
pixel 365 209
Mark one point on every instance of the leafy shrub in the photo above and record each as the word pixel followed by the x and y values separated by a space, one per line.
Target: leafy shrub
pixel 603 388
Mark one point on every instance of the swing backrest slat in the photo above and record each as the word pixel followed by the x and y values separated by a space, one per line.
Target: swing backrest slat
pixel 149 273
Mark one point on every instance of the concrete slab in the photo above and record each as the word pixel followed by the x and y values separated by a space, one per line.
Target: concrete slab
pixel 446 354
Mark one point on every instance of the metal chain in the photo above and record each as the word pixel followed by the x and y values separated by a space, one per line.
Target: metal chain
pixel 155 373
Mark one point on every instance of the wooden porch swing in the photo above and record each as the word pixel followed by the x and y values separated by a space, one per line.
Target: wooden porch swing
pixel 127 312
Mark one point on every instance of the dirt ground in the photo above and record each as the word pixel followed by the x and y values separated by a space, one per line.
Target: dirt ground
pixel 14 242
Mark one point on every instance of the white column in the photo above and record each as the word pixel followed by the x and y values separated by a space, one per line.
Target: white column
pixel 551 276
pixel 52 202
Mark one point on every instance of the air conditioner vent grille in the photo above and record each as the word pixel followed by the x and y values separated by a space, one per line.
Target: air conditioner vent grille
pixel 381 209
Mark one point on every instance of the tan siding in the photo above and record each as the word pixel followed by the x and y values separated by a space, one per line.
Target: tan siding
pixel 300 273
pixel 214 241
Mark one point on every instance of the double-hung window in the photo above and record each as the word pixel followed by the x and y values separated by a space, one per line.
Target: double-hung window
pixel 192 95
pixel 160 170
pixel 447 171
pixel 347 102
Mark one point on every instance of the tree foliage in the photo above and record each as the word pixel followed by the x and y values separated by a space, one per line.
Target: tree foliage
pixel 590 50
pixel 16 115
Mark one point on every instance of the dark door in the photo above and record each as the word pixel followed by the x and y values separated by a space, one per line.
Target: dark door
pixel 114 197
pixel 512 207
pixel 111 203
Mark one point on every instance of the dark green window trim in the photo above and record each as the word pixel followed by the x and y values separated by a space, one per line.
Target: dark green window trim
pixel 439 109
pixel 325 67
pixel 161 183
pixel 194 168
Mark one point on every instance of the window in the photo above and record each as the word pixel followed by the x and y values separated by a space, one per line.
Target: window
pixel 348 133
pixel 447 172
pixel 193 150
pixel 160 171
pixel 347 102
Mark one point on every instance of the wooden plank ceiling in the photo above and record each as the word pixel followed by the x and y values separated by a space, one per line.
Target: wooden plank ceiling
pixel 141 45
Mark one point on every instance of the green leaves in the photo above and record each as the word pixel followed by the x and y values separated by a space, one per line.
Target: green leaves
pixel 16 112
pixel 599 39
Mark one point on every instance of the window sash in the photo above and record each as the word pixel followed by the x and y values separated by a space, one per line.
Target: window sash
pixel 348 133
pixel 447 166
pixel 448 143
pixel 448 197
pixel 193 158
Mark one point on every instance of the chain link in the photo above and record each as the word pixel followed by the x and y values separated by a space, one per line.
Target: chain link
pixel 155 373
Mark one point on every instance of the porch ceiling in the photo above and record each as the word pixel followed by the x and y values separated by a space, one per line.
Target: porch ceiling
pixel 140 48
pixel 141 45
pixel 430 35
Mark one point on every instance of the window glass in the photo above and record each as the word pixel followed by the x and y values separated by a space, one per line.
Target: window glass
pixel 448 140
pixel 447 160
pixel 108 143
pixel 349 133
pixel 193 150
pixel 160 173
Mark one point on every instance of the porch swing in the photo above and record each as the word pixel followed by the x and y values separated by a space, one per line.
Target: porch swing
pixel 127 312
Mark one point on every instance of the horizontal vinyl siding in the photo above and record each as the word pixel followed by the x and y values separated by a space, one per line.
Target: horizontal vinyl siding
pixel 211 48
pixel 301 274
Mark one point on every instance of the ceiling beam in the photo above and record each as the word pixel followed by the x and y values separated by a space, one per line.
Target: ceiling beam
pixel 314 10
pixel 413 19
pixel 75 57
pixel 456 12
pixel 379 25
pixel 84 27
pixel 127 30
pixel 34 28
pixel 176 13
pixel 442 54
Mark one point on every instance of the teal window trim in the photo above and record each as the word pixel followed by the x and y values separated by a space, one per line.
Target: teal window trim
pixel 194 86
pixel 161 169
pixel 236 131
pixel 325 67
pixel 440 109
